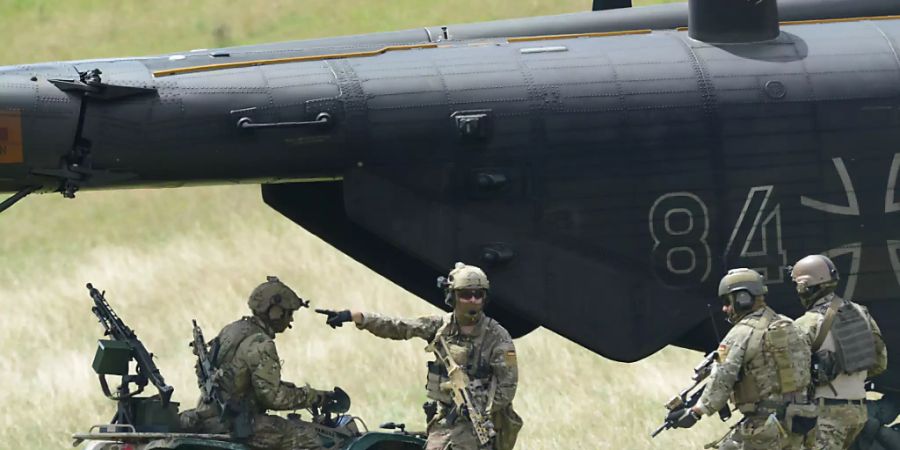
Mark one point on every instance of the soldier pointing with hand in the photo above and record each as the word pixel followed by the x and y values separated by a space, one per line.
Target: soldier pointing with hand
pixel 476 344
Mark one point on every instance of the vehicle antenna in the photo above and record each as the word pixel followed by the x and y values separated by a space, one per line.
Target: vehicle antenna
pixel 712 319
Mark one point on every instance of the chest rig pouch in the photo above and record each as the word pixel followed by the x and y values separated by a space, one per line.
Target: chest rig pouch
pixel 778 361
pixel 467 353
pixel 854 342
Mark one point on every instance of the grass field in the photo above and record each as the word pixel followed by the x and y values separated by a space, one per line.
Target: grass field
pixel 167 256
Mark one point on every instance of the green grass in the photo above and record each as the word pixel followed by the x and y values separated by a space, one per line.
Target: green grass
pixel 167 256
pixel 39 30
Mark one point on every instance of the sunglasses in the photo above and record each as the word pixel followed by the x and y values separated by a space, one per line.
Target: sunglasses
pixel 470 293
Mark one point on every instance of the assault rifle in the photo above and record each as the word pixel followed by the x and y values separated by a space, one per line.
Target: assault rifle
pixel 689 397
pixel 464 400
pixel 207 380
pixel 206 374
pixel 113 357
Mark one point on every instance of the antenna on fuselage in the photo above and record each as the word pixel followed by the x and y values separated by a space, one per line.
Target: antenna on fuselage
pixel 603 5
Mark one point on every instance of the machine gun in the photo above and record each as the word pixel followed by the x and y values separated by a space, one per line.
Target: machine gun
pixel 689 397
pixel 113 356
pixel 464 400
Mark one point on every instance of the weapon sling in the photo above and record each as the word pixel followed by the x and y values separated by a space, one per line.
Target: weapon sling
pixel 826 324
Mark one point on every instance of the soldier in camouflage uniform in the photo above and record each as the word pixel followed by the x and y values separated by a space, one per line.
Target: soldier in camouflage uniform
pixel 477 343
pixel 248 372
pixel 763 365
pixel 847 348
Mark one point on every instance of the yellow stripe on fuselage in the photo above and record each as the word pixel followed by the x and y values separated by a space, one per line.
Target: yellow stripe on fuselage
pixel 266 62
pixel 393 48
pixel 550 37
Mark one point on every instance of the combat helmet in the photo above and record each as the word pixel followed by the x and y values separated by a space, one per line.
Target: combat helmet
pixel 740 288
pixel 815 277
pixel 272 299
pixel 462 278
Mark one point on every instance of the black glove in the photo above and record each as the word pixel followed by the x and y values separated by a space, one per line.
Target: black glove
pixel 336 401
pixel 682 418
pixel 336 318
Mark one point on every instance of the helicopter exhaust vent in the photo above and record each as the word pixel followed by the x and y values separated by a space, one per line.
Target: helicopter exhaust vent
pixel 733 21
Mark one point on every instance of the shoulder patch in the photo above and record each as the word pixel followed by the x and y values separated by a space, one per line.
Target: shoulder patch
pixel 509 357
pixel 722 351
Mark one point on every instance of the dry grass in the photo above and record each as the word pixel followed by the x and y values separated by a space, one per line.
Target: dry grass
pixel 168 256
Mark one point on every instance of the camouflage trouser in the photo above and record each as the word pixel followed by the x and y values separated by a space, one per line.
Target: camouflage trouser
pixel 459 436
pixel 760 433
pixel 838 426
pixel 278 433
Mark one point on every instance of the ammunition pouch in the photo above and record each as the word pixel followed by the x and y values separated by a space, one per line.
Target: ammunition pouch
pixel 437 369
pixel 483 371
pixel 437 375
pixel 801 418
pixel 824 367
pixel 430 409
pixel 745 391
pixel 763 409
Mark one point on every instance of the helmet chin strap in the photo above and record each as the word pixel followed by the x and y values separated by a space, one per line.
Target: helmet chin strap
pixel 467 314
pixel 813 294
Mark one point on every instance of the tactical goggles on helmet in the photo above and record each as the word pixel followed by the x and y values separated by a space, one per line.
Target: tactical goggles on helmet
pixel 470 293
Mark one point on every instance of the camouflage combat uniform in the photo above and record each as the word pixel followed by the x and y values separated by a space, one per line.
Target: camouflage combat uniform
pixel 842 412
pixel 489 357
pixel 250 376
pixel 748 373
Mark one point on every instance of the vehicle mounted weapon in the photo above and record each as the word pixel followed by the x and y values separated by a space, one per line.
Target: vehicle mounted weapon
pixel 113 357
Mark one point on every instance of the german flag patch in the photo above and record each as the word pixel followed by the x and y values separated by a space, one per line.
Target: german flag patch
pixel 10 137
pixel 722 351
pixel 510 357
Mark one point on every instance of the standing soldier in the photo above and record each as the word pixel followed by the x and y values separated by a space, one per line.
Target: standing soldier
pixel 763 365
pixel 847 348
pixel 477 344
pixel 249 378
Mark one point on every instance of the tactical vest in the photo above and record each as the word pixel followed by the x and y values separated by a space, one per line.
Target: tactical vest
pixel 777 361
pixel 854 341
pixel 467 353
pixel 234 383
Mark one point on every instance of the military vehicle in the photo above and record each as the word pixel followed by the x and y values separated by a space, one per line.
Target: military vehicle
pixel 152 422
pixel 604 167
